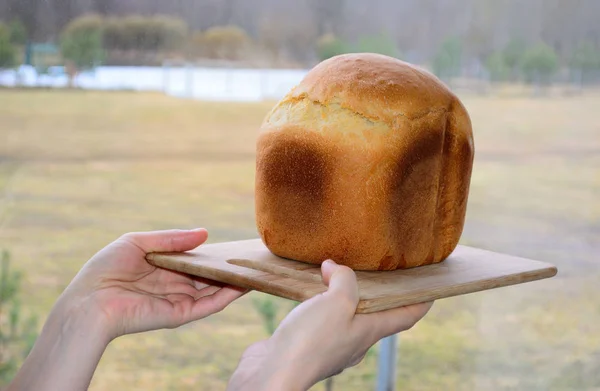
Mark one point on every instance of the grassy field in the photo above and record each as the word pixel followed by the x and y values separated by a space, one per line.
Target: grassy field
pixel 77 169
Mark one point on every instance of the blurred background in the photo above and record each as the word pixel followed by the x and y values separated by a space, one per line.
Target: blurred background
pixel 132 115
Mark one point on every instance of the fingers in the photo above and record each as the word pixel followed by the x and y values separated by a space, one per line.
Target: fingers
pixel 206 291
pixel 386 323
pixel 167 241
pixel 187 289
pixel 201 283
pixel 214 303
pixel 341 281
pixel 327 269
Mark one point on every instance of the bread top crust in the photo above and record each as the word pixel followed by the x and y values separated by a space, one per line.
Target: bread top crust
pixel 379 88
pixel 367 99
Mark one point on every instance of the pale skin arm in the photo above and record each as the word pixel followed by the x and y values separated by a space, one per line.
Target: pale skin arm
pixel 66 353
pixel 320 338
pixel 116 293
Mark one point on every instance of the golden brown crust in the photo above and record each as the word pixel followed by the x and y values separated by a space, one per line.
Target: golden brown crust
pixel 366 162
pixel 378 87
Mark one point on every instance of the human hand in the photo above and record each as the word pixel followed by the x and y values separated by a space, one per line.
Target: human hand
pixel 134 296
pixel 321 337
pixel 117 292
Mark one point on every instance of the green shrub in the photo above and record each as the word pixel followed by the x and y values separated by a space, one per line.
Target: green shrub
pixel 585 63
pixel 497 67
pixel 513 54
pixel 225 42
pixel 586 57
pixel 136 33
pixel 17 335
pixel 381 44
pixel 539 64
pixel 86 24
pixel 142 33
pixel 81 43
pixel 7 50
pixel 197 46
pixel 448 60
pixel 330 46
pixel 267 307
pixel 18 33
pixel 172 32
pixel 116 35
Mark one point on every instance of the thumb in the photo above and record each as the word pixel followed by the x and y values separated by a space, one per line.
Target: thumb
pixel 341 280
pixel 174 240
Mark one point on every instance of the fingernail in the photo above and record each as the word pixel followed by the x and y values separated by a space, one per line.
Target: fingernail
pixel 328 263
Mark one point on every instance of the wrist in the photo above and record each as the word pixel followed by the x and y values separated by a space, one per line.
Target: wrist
pixel 291 366
pixel 266 368
pixel 284 381
pixel 263 378
pixel 81 316
pixel 67 350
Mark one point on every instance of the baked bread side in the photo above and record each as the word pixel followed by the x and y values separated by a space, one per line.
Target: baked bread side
pixel 366 162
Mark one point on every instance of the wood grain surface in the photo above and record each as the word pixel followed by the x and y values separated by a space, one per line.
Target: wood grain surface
pixel 250 264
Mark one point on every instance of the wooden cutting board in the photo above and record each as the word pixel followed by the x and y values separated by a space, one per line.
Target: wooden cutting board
pixel 249 264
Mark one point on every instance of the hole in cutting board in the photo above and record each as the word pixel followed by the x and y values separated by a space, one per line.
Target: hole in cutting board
pixel 309 274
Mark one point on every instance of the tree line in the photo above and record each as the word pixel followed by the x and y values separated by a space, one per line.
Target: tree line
pixel 504 41
pixel 418 27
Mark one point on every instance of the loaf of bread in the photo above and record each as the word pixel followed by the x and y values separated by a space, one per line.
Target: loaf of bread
pixel 366 162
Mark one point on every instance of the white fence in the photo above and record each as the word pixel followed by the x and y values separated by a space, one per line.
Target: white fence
pixel 193 82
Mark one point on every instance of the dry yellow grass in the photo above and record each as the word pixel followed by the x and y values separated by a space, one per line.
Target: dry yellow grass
pixel 79 169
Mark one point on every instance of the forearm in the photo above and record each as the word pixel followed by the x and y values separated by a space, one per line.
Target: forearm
pixel 65 354
pixel 265 373
pixel 246 379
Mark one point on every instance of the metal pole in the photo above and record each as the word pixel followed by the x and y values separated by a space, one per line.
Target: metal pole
pixel 386 371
